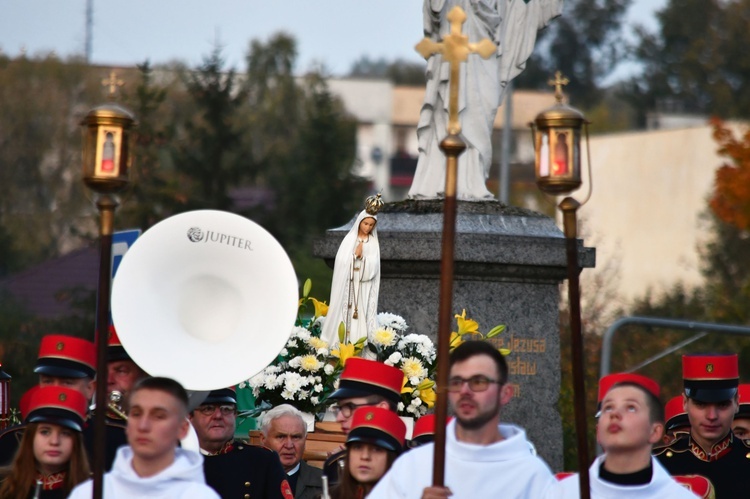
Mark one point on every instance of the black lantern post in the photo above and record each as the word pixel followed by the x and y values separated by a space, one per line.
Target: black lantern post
pixel 107 161
pixel 557 143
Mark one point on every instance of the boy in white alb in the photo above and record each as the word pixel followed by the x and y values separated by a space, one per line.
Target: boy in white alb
pixel 631 421
pixel 483 457
pixel 152 465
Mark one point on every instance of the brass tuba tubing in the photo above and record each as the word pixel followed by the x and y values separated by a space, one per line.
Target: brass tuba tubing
pixel 115 398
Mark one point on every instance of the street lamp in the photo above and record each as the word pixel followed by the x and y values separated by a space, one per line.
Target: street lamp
pixel 107 160
pixel 557 143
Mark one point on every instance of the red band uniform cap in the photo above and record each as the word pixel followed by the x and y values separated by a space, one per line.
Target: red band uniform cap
pixel 424 429
pixel 674 414
pixel 363 378
pixel 377 426
pixel 57 405
pixel 66 357
pixel 607 382
pixel 710 378
pixel 115 350
pixel 744 395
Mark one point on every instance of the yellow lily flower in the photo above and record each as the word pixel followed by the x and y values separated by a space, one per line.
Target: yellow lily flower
pixel 455 340
pixel 321 308
pixel 344 352
pixel 405 388
pixel 466 326
pixel 427 393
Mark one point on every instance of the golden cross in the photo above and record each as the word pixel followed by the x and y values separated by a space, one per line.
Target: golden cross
pixel 455 49
pixel 558 83
pixel 112 82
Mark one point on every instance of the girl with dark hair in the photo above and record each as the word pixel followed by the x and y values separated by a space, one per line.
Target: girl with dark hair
pixel 375 440
pixel 51 458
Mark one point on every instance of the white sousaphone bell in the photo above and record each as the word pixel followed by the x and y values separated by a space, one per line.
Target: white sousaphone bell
pixel 208 298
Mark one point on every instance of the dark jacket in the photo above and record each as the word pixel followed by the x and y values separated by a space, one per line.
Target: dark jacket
pixel 245 471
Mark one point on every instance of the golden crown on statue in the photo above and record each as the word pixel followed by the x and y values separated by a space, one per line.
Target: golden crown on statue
pixel 373 204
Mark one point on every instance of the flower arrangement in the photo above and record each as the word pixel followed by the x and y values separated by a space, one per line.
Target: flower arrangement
pixel 306 372
pixel 303 374
pixel 415 355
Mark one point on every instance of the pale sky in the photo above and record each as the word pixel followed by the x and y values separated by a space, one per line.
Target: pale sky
pixel 334 32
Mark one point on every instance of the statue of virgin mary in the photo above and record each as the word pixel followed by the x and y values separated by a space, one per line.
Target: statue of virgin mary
pixel 356 282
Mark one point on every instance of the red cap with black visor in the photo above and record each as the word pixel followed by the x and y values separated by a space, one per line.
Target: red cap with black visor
pixel 710 378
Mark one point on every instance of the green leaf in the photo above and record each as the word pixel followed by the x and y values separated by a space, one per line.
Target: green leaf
pixel 496 330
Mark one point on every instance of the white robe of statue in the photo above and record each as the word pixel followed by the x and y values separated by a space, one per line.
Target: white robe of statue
pixel 512 25
pixel 355 286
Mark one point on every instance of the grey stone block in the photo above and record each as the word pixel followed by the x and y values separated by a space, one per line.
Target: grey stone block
pixel 508 265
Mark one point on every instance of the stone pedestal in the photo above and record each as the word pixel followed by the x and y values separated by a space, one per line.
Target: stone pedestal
pixel 509 263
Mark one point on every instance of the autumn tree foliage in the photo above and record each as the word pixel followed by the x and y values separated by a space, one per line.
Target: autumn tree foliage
pixel 730 201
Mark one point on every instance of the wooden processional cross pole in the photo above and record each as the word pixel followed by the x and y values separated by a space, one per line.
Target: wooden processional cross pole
pixel 455 49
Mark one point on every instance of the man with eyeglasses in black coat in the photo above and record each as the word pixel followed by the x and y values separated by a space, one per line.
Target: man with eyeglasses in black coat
pixel 234 468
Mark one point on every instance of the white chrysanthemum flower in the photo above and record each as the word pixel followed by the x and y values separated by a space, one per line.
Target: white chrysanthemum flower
pixel 271 381
pixel 295 362
pixel 317 343
pixel 392 320
pixel 395 358
pixel 287 395
pixel 301 333
pixel 400 407
pixel 257 380
pixel 291 344
pixel 322 352
pixel 293 382
pixel 328 369
pixel 414 380
pixel 243 384
pixel 302 394
pixel 413 368
pixel 315 400
pixel 318 388
pixel 384 337
pixel 309 363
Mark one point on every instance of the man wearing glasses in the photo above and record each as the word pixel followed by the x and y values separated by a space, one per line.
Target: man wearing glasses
pixel 483 458
pixel 363 383
pixel 232 467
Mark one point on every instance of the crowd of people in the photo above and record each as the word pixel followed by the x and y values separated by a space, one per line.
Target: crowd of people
pixel 692 447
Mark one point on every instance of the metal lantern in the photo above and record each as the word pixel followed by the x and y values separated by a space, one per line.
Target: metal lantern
pixel 557 144
pixel 106 148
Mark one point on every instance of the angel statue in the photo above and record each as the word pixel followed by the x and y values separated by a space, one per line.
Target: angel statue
pixel 512 26
pixel 356 279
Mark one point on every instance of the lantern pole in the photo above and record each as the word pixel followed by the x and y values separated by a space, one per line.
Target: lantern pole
pixel 106 168
pixel 455 48
pixel 557 137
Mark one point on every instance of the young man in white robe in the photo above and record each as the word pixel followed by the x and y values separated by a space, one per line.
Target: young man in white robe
pixel 152 465
pixel 483 457
pixel 631 421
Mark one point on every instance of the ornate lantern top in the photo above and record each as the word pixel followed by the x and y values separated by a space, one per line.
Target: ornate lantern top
pixel 106 150
pixel 557 142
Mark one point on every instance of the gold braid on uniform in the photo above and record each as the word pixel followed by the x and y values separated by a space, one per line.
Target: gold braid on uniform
pixel 225 449
pixel 53 481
